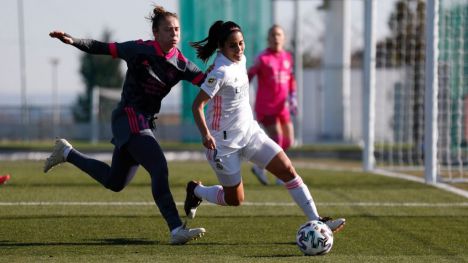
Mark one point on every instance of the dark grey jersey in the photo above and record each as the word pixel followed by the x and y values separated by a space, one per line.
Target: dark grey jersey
pixel 151 74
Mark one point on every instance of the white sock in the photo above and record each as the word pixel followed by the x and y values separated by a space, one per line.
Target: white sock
pixel 301 195
pixel 213 194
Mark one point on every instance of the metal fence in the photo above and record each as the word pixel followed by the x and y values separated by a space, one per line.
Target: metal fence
pixel 48 122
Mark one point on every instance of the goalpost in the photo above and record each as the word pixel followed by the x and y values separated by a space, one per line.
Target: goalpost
pixel 430 99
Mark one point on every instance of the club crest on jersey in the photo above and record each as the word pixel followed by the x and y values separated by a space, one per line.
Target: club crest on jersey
pixel 286 64
pixel 211 81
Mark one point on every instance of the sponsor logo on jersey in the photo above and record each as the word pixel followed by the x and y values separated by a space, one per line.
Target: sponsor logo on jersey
pixel 211 82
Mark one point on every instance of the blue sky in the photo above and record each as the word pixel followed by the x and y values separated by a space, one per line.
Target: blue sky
pixel 84 18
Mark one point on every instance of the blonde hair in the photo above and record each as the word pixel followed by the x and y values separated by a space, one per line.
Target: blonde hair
pixel 159 13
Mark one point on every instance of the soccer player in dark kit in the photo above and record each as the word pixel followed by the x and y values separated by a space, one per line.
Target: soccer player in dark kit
pixel 154 67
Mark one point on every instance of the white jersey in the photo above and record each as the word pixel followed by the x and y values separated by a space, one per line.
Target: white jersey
pixel 229 116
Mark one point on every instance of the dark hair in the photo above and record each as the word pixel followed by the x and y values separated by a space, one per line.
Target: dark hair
pixel 217 36
pixel 159 13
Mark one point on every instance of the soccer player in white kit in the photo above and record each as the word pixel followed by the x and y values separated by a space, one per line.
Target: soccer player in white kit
pixel 230 133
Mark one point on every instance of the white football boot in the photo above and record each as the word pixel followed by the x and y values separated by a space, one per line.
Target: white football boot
pixel 184 235
pixel 57 156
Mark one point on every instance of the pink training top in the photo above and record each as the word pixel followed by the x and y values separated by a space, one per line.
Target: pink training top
pixel 275 81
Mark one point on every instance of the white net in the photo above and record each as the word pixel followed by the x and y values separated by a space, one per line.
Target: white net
pixel 453 89
pixel 401 61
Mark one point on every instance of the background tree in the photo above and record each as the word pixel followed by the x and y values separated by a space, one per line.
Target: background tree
pixel 96 71
pixel 406 43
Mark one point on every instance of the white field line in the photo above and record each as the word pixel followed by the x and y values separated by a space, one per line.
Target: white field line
pixel 383 172
pixel 278 204
pixel 199 155
pixel 439 185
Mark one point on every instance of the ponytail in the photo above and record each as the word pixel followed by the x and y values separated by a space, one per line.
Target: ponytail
pixel 217 36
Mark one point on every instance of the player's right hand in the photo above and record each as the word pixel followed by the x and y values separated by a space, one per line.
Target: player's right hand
pixel 209 142
pixel 62 36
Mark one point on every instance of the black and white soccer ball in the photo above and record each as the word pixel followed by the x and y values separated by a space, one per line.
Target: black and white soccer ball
pixel 314 238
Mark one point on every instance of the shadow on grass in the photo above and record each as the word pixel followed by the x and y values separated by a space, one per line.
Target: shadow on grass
pixel 95 242
pixel 49 184
pixel 126 241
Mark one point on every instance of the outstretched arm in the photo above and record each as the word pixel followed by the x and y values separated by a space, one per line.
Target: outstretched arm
pixel 198 114
pixel 87 45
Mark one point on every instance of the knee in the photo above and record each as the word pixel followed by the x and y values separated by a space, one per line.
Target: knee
pixel 115 188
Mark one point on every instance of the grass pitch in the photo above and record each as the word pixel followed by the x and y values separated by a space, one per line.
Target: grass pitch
pixel 65 216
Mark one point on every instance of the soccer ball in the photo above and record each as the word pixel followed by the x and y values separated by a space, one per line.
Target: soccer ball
pixel 314 238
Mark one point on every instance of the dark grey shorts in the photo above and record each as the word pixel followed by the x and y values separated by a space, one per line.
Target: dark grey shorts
pixel 127 122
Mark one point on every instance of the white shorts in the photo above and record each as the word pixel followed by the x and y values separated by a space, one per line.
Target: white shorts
pixel 260 150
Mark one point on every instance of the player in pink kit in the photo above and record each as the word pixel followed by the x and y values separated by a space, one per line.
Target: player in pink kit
pixel 276 96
